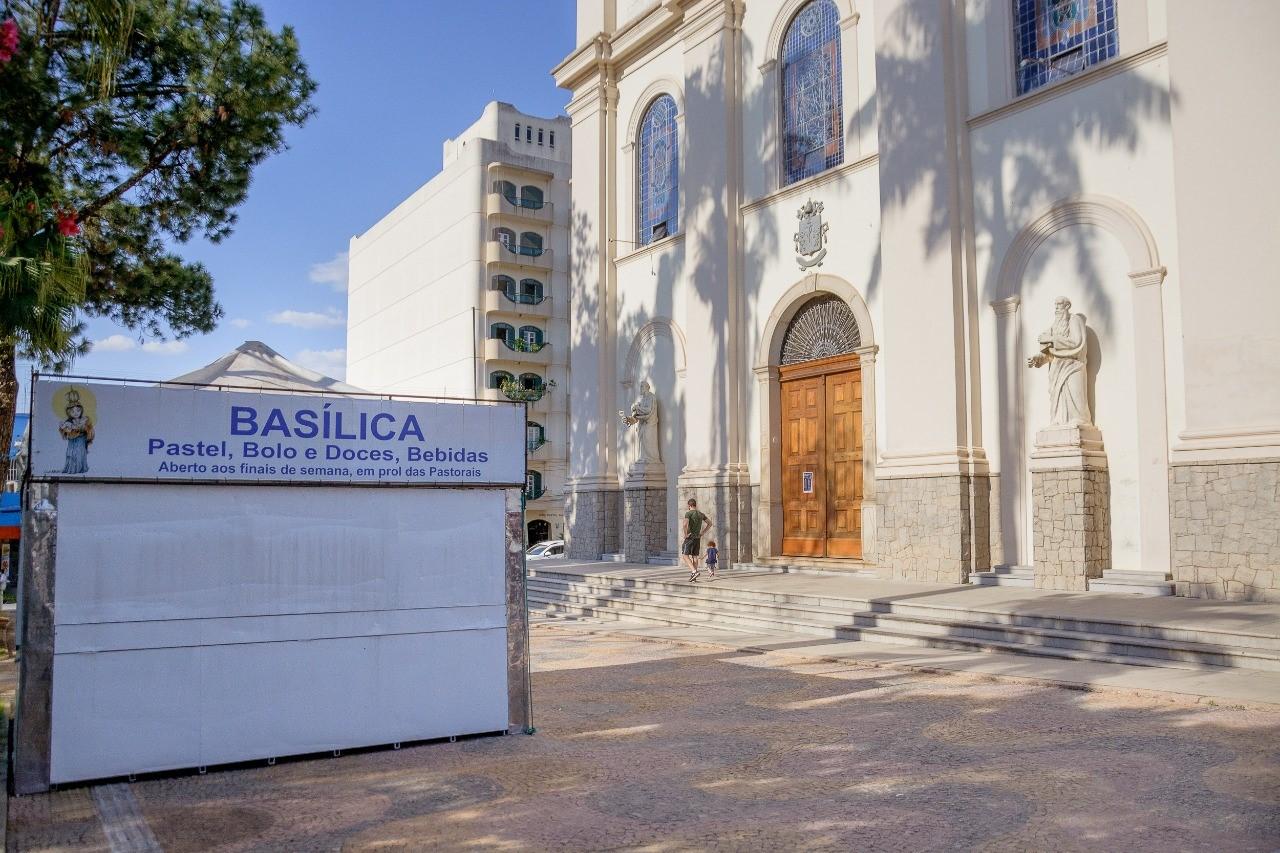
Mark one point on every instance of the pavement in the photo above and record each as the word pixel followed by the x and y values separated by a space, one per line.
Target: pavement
pixel 645 743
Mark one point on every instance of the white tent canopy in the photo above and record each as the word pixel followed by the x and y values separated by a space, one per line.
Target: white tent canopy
pixel 255 365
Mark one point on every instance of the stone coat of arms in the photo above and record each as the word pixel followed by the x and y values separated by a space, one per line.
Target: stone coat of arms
pixel 812 237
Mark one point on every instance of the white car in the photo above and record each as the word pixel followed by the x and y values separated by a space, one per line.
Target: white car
pixel 545 550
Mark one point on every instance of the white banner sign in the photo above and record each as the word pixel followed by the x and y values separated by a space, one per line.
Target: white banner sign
pixel 90 431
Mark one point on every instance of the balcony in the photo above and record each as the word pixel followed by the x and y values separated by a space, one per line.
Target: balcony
pixel 513 390
pixel 517 303
pixel 535 494
pixel 524 210
pixel 533 444
pixel 502 349
pixel 526 257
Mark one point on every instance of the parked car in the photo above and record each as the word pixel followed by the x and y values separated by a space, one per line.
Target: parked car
pixel 545 550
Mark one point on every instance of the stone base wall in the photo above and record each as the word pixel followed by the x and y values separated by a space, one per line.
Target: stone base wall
pixel 593 523
pixel 644 528
pixel 1071 530
pixel 730 510
pixel 934 529
pixel 1225 522
pixel 995 533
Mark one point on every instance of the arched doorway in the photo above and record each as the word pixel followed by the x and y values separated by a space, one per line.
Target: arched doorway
pixel 539 531
pixel 821 429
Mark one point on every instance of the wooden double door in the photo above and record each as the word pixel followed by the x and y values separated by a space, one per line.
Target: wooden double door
pixel 822 458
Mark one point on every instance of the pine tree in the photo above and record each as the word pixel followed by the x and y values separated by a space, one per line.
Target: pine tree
pixel 127 127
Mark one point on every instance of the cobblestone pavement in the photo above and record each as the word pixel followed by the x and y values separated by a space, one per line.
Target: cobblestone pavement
pixel 653 746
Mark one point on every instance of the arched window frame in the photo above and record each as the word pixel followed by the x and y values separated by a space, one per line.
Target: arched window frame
pixel 531 382
pixel 812 31
pixel 503 332
pixel 531 291
pixel 531 337
pixel 506 237
pixel 532 197
pixel 531 243
pixel 503 283
pixel 498 377
pixel 535 435
pixel 658 209
pixel 507 190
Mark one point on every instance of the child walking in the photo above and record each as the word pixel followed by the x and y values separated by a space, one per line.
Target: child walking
pixel 713 557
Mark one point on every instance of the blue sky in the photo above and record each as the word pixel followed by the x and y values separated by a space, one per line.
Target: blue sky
pixel 396 78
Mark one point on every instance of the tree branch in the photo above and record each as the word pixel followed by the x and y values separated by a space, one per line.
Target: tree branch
pixel 92 208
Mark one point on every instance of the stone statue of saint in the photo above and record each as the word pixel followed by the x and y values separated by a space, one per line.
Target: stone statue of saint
pixel 1064 346
pixel 644 417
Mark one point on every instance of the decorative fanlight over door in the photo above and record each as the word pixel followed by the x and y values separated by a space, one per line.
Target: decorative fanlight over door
pixel 823 328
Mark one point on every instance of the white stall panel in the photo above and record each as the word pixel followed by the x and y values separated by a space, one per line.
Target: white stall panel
pixel 206 624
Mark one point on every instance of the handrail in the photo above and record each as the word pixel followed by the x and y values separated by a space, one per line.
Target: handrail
pixel 523 298
pixel 526 203
pixel 530 251
pixel 514 390
pixel 521 345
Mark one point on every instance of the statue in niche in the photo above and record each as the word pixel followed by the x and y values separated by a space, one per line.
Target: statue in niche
pixel 643 415
pixel 1064 346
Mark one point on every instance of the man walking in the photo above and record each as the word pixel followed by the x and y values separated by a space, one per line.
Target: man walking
pixel 695 526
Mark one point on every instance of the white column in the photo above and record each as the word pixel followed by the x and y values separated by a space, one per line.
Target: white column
pixel 1012 433
pixel 1153 435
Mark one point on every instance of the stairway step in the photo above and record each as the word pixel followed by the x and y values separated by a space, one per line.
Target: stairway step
pixel 825 617
pixel 613 558
pixel 702 620
pixel 1120 629
pixel 1132 587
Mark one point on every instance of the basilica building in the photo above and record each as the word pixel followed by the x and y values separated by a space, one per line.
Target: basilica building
pixel 943 289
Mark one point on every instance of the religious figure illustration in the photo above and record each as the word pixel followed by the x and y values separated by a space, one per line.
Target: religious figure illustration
pixel 643 415
pixel 1064 347
pixel 78 432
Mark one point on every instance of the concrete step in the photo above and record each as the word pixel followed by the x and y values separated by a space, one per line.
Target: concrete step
pixel 1135 583
pixel 847 603
pixel 687 618
pixel 613 558
pixel 809 567
pixel 666 558
pixel 1005 576
pixel 812 618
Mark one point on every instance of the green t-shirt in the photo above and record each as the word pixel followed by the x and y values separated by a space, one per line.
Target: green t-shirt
pixel 695 519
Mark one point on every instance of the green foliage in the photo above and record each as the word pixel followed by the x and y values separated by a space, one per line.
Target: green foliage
pixel 146 119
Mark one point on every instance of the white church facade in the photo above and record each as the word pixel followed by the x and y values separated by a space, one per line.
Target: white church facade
pixel 833 237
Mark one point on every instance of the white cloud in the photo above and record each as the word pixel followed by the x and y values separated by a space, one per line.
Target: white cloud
pixel 165 347
pixel 332 272
pixel 115 343
pixel 309 319
pixel 330 362
pixel 240 322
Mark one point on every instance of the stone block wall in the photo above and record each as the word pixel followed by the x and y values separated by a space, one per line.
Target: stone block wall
pixel 1225 524
pixel 644 528
pixel 593 523
pixel 1071 530
pixel 934 529
pixel 729 508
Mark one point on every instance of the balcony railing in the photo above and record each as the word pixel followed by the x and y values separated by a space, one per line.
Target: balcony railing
pixel 526 251
pixel 534 494
pixel 523 298
pixel 532 444
pixel 521 345
pixel 526 203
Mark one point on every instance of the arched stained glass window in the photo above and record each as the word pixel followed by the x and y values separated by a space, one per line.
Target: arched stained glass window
pixel 812 107
pixel 658 184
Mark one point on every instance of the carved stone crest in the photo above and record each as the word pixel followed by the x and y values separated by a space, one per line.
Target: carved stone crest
pixel 811 238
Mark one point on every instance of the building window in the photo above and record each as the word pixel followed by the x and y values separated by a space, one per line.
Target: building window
pixel 528 133
pixel 506 237
pixel 498 377
pixel 530 244
pixel 531 291
pixel 503 332
pixel 812 106
pixel 531 197
pixel 658 172
pixel 539 136
pixel 531 338
pixel 535 435
pixel 507 190
pixel 531 382
pixel 551 138
pixel 505 283
pixel 1057 38
pixel 532 485
pixel 517 131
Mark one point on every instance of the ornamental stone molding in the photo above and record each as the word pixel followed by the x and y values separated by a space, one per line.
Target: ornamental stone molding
pixel 849 17
pixel 656 89
pixel 658 327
